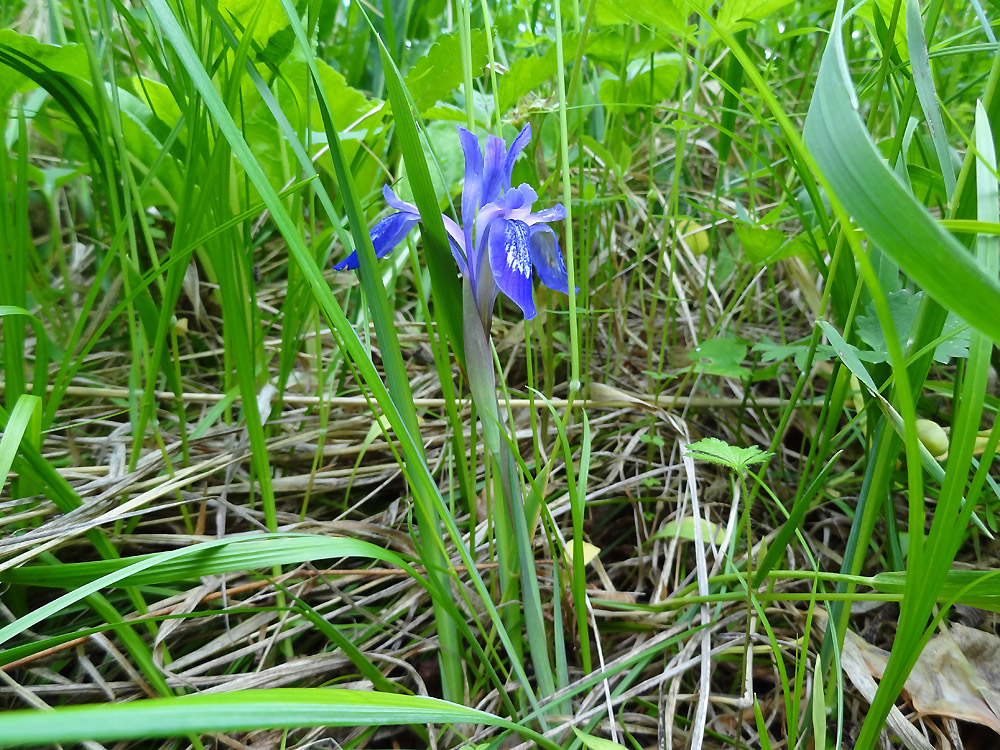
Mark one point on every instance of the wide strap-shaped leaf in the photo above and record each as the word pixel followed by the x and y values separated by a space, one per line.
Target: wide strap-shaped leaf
pixel 891 217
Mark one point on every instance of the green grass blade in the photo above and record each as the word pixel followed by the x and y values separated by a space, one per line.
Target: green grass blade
pixel 397 379
pixel 241 710
pixel 447 293
pixel 923 82
pixel 26 411
pixel 119 575
pixel 208 558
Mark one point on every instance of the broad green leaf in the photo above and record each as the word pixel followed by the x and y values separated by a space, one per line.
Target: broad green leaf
pixel 435 75
pixel 240 14
pixel 673 15
pixel 590 551
pixel 70 59
pixel 145 134
pixel 666 67
pixel 866 12
pixel 443 137
pixel 684 528
pixel 347 105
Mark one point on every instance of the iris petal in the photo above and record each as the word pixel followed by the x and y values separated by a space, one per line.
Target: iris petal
pixel 555 213
pixel 493 165
pixel 510 260
pixel 393 200
pixel 547 259
pixel 456 253
pixel 516 147
pixel 472 188
pixel 385 236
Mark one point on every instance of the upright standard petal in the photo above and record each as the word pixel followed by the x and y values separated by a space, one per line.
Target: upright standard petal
pixel 385 235
pixel 516 147
pixel 547 258
pixel 472 187
pixel 493 161
pixel 510 261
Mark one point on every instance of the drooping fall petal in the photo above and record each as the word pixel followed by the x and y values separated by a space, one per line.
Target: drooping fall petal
pixel 385 235
pixel 510 260
pixel 547 258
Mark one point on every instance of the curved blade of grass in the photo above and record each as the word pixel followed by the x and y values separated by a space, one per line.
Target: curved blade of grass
pixel 923 82
pixel 792 525
pixel 41 369
pixel 27 409
pixel 240 710
pixel 975 588
pixel 894 221
pixel 209 558
pixel 184 567
pixel 397 379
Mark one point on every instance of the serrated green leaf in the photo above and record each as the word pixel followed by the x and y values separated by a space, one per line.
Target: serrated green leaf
pixel 722 356
pixel 904 305
pixel 772 351
pixel 718 451
pixel 766 246
pixel 529 72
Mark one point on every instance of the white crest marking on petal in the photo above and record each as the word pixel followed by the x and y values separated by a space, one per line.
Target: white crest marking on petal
pixel 519 261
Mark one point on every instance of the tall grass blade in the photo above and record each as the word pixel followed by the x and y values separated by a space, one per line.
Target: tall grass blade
pixel 241 710
pixel 868 190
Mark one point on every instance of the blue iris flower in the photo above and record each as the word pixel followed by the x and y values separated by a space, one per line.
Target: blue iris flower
pixel 502 238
